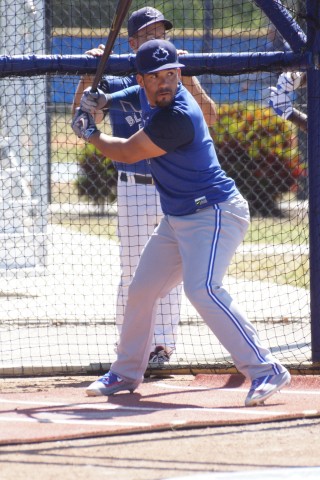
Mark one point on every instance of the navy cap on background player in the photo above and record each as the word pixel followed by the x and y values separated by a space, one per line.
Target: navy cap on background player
pixel 156 55
pixel 146 16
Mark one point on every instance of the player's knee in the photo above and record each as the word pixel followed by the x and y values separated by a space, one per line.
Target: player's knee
pixel 142 291
pixel 196 294
pixel 136 291
pixel 193 293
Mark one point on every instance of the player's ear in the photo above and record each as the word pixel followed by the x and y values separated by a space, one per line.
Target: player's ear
pixel 140 81
pixel 133 44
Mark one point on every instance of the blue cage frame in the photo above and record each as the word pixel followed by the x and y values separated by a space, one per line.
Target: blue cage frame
pixel 304 55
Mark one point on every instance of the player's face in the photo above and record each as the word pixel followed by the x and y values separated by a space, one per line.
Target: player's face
pixel 160 87
pixel 156 31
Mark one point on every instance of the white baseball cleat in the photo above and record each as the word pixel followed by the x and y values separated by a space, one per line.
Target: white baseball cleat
pixel 263 387
pixel 110 384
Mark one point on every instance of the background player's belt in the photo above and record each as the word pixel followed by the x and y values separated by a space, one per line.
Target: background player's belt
pixel 144 179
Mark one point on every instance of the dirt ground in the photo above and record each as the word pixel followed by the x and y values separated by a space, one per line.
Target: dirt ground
pixel 163 454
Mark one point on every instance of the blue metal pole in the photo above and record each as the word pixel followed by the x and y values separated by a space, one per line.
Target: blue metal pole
pixel 313 35
pixel 208 25
pixel 283 21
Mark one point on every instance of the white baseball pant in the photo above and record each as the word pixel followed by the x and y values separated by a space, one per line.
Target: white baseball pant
pixel 139 212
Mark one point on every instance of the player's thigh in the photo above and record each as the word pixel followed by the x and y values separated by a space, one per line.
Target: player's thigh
pixel 208 240
pixel 160 267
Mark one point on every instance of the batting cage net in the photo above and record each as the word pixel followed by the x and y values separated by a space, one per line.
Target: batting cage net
pixel 71 231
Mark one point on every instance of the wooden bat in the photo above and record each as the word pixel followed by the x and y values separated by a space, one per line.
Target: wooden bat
pixel 121 11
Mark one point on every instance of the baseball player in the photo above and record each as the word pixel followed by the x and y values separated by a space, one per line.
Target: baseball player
pixel 139 209
pixel 281 102
pixel 205 219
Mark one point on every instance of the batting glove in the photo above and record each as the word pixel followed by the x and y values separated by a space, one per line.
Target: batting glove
pixel 281 103
pixel 289 81
pixel 83 124
pixel 93 101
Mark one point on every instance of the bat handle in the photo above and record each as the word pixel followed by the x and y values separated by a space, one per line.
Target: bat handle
pixel 94 92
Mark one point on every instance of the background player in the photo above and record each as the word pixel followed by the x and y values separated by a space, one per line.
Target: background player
pixel 205 219
pixel 139 209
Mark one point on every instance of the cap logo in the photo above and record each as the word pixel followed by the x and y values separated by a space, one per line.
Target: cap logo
pixel 161 54
pixel 150 12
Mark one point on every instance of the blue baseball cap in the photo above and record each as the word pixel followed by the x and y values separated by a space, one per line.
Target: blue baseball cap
pixel 156 55
pixel 146 16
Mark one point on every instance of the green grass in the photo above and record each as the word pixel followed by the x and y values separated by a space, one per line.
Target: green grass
pixel 103 226
pixel 280 268
pixel 277 231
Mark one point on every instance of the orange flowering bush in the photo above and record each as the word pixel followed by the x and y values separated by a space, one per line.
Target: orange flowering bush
pixel 260 152
pixel 98 178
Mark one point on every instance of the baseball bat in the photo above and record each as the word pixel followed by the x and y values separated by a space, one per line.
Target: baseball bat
pixel 121 11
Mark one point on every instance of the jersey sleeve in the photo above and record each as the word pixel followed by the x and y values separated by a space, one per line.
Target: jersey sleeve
pixel 170 129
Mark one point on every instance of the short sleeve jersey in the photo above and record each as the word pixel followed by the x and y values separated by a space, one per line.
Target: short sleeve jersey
pixel 188 176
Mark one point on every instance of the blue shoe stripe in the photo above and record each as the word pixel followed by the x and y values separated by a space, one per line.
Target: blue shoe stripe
pixel 109 379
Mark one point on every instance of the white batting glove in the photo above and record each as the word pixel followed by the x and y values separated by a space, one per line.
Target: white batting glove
pixel 91 102
pixel 83 124
pixel 280 102
pixel 289 81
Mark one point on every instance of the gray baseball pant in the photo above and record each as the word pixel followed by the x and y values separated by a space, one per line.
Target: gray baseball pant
pixel 196 249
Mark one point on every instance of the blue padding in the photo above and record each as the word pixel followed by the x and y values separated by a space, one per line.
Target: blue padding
pixel 235 74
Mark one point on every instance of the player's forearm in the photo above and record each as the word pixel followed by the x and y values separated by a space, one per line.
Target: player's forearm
pixel 206 103
pixel 111 147
pixel 299 119
pixel 126 150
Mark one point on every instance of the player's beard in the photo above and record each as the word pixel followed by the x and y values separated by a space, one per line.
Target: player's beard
pixel 164 101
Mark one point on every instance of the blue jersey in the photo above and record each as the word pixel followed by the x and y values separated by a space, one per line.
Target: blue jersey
pixel 188 176
pixel 124 122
